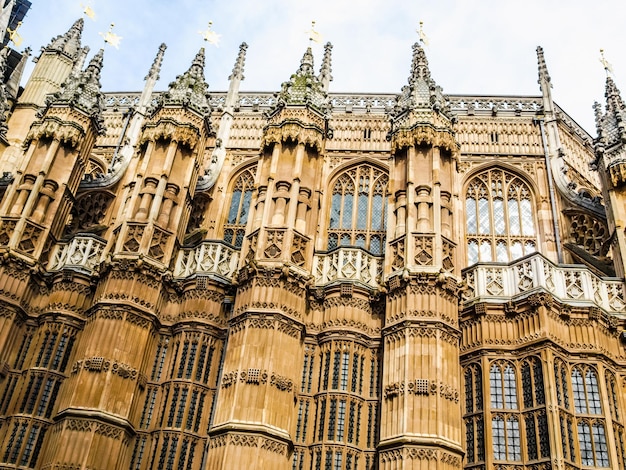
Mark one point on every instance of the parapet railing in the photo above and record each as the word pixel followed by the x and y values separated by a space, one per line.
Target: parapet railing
pixel 347 264
pixel 211 257
pixel 83 252
pixel 571 284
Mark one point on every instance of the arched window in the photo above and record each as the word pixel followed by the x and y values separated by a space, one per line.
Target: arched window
pixel 473 416
pixel 585 391
pixel 358 209
pixel 503 387
pixel 499 218
pixel 505 425
pixel 235 227
pixel 535 418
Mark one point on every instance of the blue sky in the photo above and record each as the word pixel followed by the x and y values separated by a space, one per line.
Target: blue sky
pixel 475 46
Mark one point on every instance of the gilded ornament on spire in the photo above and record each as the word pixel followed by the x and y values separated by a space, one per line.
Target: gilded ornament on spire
pixel 210 36
pixel 111 38
pixel 605 63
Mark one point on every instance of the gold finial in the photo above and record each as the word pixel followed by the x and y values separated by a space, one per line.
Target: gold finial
pixel 605 63
pixel 421 34
pixel 314 36
pixel 111 38
pixel 14 36
pixel 88 11
pixel 210 36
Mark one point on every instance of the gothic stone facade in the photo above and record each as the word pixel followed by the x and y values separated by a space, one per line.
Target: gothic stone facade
pixel 307 280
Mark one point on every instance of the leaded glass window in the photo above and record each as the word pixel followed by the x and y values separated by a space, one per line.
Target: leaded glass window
pixel 358 209
pixel 585 391
pixel 506 438
pixel 499 218
pixel 235 227
pixel 473 416
pixel 593 447
pixel 503 386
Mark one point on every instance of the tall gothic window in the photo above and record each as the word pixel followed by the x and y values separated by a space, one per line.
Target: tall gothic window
pixel 235 227
pixel 473 418
pixel 358 209
pixel 505 421
pixel 499 218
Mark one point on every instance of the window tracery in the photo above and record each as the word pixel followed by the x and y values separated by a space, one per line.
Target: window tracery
pixel 239 209
pixel 499 218
pixel 357 213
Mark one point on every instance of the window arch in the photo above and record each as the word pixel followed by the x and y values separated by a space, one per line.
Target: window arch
pixel 358 209
pixel 235 226
pixel 473 416
pixel 499 217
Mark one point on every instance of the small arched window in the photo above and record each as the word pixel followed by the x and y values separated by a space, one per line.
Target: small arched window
pixel 358 209
pixel 499 218
pixel 235 227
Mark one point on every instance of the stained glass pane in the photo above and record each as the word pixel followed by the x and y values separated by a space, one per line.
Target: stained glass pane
pixel 470 215
pixel 345 239
pixel 499 442
pixel 502 254
pixel 578 388
pixel 375 245
pixel 513 439
pixel 586 447
pixel 516 250
pixel 245 207
pixel 495 381
pixel 484 225
pixel 360 240
pixel 529 248
pixel 599 441
pixel 234 207
pixel 377 212
pixel 593 395
pixel 485 251
pixel 335 210
pixel 498 217
pixel 361 215
pixel 528 226
pixel 332 241
pixel 472 252
pixel 510 392
pixel 346 212
pixel 531 438
pixel 514 222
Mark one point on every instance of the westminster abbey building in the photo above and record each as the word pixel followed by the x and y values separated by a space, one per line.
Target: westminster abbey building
pixel 306 280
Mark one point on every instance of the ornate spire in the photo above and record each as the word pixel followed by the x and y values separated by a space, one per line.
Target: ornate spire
pixel 612 126
pixel 544 76
pixel 239 63
pixel 13 84
pixel 422 92
pixel 82 91
pixel 68 43
pixel 325 70
pixel 154 71
pixel 4 103
pixel 304 87
pixel 189 89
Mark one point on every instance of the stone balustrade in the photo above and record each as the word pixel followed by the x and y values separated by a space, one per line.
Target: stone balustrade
pixel 571 284
pixel 211 257
pixel 83 252
pixel 347 264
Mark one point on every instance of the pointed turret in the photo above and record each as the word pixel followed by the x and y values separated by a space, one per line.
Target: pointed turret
pixel 68 43
pixel 4 101
pixel 82 91
pixel 13 84
pixel 223 132
pixel 190 88
pixel 325 76
pixel 610 149
pixel 304 87
pixel 422 92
